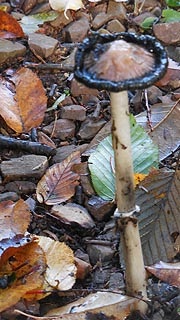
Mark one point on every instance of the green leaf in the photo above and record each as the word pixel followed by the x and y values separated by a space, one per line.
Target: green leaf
pixel 170 15
pixel 101 161
pixel 148 22
pixel 31 23
pixel 173 3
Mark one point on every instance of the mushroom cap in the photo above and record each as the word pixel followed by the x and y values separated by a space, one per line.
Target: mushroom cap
pixel 120 61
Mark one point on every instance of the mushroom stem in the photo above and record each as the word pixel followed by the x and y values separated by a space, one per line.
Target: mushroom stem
pixel 125 196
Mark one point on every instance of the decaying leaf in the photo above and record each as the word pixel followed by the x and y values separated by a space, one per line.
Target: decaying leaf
pixel 166 129
pixel 159 222
pixel 64 5
pixel 14 218
pixel 32 23
pixel 24 103
pixel 10 24
pixel 167 272
pixel 59 182
pixel 22 268
pixel 112 305
pixel 61 270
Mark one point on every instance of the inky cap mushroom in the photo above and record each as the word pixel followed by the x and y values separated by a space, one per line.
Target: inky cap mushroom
pixel 122 61
pixel 118 63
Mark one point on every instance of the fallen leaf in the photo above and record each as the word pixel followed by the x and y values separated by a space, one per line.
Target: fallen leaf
pixel 24 103
pixel 31 23
pixel 165 120
pixel 10 24
pixel 59 182
pixel 108 304
pixel 61 269
pixel 23 267
pixel 167 272
pixel 14 218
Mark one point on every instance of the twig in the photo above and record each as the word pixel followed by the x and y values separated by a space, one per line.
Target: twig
pixel 167 115
pixel 47 66
pixel 28 146
pixel 148 110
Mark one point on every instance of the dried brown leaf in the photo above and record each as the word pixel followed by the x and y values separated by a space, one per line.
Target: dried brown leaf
pixel 24 103
pixel 24 267
pixel 59 182
pixel 10 24
pixel 14 218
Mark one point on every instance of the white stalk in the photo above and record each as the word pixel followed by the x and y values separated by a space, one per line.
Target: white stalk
pixel 125 196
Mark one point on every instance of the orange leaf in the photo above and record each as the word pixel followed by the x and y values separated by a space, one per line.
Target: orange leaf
pixel 10 24
pixel 24 267
pixel 24 103
pixel 14 218
pixel 59 182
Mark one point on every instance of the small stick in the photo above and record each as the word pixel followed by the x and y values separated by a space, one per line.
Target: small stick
pixel 28 146
pixel 47 66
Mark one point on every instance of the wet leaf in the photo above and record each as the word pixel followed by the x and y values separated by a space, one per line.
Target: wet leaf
pixel 166 272
pixel 23 267
pixel 10 24
pixel 59 182
pixel 101 162
pixel 64 5
pixel 14 218
pixel 24 103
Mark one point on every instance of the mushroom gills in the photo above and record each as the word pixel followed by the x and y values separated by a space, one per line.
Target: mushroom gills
pixel 119 61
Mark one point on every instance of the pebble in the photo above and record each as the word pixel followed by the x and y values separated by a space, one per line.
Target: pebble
pixel 116 10
pixel 115 26
pixel 21 187
pixel 73 214
pixel 43 45
pixel 76 31
pixel 10 50
pixel 62 129
pixel 9 196
pixel 61 21
pixel 78 88
pixel 28 166
pixel 168 33
pixel 99 208
pixel 90 127
pixel 64 151
pixel 73 112
pixel 102 253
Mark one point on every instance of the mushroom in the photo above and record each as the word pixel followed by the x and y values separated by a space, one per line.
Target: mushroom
pixel 118 62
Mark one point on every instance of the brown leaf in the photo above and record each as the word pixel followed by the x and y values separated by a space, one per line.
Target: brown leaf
pixel 14 218
pixel 61 269
pixel 110 305
pixel 24 103
pixel 59 182
pixel 167 272
pixel 23 267
pixel 10 24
